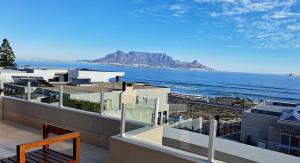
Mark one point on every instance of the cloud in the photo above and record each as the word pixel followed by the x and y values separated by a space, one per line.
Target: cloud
pixel 294 27
pixel 178 9
pixel 264 23
pixel 284 14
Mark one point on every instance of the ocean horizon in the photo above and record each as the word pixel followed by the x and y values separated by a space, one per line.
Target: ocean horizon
pixel 206 83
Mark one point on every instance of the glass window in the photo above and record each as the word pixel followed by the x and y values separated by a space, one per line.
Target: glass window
pixel 145 100
pixel 285 139
pixel 295 141
pixel 107 104
pixel 137 99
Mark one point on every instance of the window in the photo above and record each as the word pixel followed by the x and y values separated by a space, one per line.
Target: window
pixel 290 144
pixel 137 99
pixel 285 139
pixel 107 104
pixel 295 141
pixel 145 100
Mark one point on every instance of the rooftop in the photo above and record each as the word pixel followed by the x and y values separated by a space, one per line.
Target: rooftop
pixel 13 134
pixel 96 88
pixel 3 70
pixel 275 107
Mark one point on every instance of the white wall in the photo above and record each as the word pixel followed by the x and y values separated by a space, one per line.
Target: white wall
pixel 6 75
pixel 229 147
pixel 153 93
pixel 95 76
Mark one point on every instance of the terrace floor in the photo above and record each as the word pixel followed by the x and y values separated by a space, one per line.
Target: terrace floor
pixel 12 134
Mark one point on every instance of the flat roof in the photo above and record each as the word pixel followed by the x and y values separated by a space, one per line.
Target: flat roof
pixel 96 88
pixel 271 108
pixel 53 68
pixel 11 71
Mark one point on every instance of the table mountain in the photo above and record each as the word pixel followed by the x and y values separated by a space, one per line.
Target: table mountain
pixel 146 59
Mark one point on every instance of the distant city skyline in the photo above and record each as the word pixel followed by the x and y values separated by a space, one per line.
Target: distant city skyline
pixel 260 36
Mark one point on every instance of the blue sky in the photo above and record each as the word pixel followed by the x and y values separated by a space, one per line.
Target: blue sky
pixel 230 35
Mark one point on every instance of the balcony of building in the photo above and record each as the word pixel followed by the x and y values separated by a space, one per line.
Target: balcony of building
pixel 21 121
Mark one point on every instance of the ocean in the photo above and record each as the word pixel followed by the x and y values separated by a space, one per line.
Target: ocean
pixel 206 83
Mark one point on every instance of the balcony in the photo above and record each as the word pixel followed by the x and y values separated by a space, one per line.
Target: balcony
pixel 21 121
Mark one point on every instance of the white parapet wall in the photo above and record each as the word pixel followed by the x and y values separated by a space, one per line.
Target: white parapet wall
pixel 94 76
pixel 226 150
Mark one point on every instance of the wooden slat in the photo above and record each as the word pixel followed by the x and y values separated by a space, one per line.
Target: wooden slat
pixel 7 161
pixel 35 158
pixel 13 159
pixel 44 157
pixel 61 155
pixel 28 159
pixel 47 156
pixel 57 130
pixel 52 156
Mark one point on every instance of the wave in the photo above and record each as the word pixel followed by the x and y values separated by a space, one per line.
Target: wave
pixel 184 87
pixel 251 95
pixel 229 86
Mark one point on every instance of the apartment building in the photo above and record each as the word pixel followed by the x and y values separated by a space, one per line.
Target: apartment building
pixel 140 98
pixel 273 125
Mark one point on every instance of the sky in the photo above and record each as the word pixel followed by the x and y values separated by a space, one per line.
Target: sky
pixel 261 36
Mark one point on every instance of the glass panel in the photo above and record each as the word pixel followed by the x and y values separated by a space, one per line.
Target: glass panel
pixel 143 112
pixel 137 109
pixel 285 139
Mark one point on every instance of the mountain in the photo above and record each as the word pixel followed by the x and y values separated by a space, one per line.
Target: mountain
pixel 145 59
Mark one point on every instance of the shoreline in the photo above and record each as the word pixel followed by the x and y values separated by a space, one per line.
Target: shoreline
pixel 234 103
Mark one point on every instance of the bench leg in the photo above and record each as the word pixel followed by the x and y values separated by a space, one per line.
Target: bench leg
pixel 76 149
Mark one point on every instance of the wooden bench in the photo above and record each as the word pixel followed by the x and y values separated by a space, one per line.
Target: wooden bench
pixel 45 154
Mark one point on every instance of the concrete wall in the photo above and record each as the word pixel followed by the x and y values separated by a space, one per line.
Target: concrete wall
pixel 94 129
pixel 126 151
pixel 149 133
pixel 273 138
pixel 49 73
pixel 226 150
pixel 256 126
pixel 95 76
pixel 1 107
pixel 128 97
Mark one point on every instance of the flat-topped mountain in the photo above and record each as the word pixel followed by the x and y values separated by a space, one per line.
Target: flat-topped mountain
pixel 145 59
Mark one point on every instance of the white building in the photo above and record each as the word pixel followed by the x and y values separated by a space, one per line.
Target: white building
pixel 58 75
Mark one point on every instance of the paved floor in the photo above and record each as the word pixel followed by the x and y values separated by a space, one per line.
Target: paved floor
pixel 12 134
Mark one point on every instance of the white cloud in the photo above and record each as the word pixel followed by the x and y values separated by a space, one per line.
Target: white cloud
pixel 284 14
pixel 265 23
pixel 294 27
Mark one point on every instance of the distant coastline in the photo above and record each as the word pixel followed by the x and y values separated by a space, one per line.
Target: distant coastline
pixel 146 59
pixel 145 66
